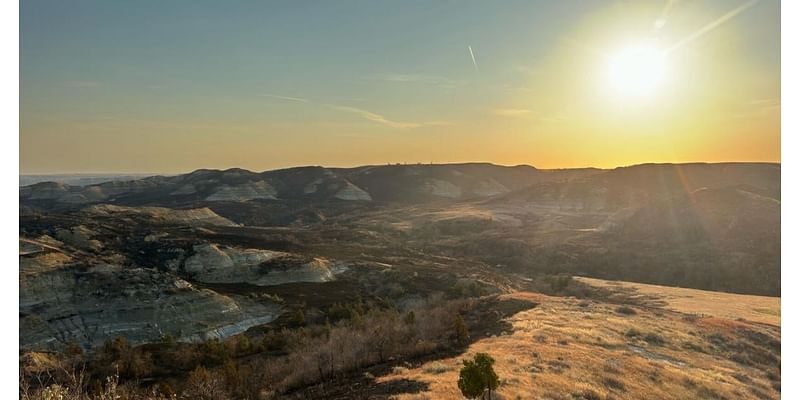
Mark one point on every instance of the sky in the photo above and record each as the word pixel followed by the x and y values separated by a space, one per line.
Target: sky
pixel 173 86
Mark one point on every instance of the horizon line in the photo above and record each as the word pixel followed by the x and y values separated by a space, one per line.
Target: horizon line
pixel 146 174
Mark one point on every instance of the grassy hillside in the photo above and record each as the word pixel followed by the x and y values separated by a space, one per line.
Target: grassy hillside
pixel 566 348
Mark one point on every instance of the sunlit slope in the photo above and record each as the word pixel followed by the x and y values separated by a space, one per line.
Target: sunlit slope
pixel 763 309
pixel 567 348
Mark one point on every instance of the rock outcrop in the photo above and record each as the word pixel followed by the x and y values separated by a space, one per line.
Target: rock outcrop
pixel 216 264
pixel 94 304
pixel 192 217
pixel 440 188
pixel 352 192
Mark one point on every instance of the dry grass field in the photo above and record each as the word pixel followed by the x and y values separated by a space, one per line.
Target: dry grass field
pixel 692 346
pixel 762 309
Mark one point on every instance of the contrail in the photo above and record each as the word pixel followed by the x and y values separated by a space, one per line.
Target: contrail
pixel 662 20
pixel 289 98
pixel 711 26
pixel 471 54
pixel 371 116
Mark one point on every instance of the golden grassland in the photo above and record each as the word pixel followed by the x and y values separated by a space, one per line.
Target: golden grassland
pixel 567 348
pixel 762 309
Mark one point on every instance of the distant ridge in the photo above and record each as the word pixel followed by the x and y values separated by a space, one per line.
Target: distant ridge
pixel 77 179
pixel 406 183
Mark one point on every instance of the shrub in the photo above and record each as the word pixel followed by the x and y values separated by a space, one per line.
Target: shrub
pixel 690 317
pixel 118 357
pixel 560 283
pixel 203 385
pixel 243 344
pixel 693 347
pixel 467 289
pixel 625 310
pixel 299 318
pixel 410 318
pixel 654 339
pixel 213 352
pixel 613 383
pixel 632 333
pixel 73 349
pixel 461 331
pixel 558 366
pixel 166 390
pixel 436 368
pixel 339 312
pixel 587 394
pixel 478 376
pixel 274 340
pixel 398 370
pixel 115 349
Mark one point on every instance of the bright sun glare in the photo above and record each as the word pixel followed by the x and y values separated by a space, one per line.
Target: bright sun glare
pixel 636 70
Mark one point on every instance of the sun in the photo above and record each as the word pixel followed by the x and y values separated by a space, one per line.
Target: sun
pixel 637 70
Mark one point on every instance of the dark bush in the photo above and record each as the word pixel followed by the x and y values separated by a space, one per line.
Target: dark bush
pixel 654 339
pixel 460 329
pixel 477 376
pixel 625 310
pixel 612 383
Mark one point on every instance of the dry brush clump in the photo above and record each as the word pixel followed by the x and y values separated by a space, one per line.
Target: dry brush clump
pixel 378 337
pixel 75 386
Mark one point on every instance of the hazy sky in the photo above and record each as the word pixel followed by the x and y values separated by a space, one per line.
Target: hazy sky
pixel 172 86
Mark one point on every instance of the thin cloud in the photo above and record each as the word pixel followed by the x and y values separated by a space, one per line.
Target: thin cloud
pixel 511 88
pixel 758 108
pixel 768 103
pixel 472 54
pixel 528 115
pixel 431 80
pixel 380 119
pixel 287 98
pixel 511 112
